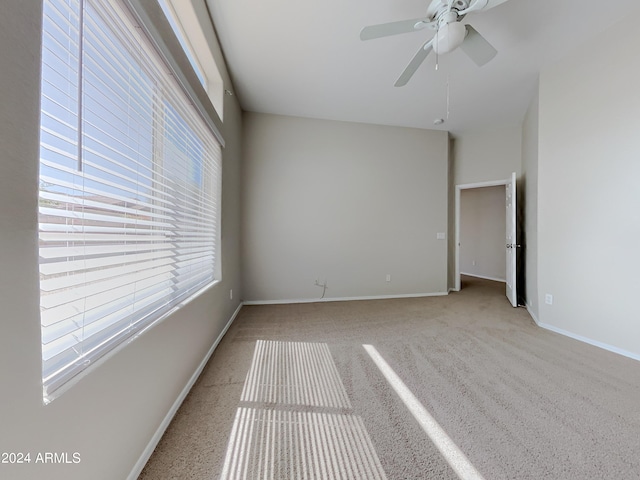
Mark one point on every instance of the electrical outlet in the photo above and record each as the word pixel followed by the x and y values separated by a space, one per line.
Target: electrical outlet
pixel 388 277
pixel 231 294
pixel 548 299
pixel 473 262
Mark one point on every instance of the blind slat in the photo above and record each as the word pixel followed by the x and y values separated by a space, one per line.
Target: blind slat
pixel 65 267
pixel 82 250
pixel 97 237
pixel 98 303
pixel 75 279
pixel 118 311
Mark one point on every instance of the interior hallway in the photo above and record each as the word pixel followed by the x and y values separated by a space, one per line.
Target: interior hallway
pixel 299 396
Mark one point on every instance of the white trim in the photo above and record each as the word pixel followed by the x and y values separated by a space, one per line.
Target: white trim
pixel 151 446
pixel 465 186
pixel 580 338
pixel 533 315
pixel 502 280
pixel 342 299
pixel 492 183
pixel 590 341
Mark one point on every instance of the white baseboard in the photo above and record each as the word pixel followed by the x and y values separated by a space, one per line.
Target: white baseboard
pixel 533 315
pixel 153 443
pixel 501 280
pixel 341 299
pixel 580 338
pixel 590 341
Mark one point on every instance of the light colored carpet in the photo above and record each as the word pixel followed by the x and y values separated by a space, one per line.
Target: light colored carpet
pixel 291 393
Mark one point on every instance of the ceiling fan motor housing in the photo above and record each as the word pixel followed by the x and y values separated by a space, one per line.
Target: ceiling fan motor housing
pixel 450 34
pixel 438 8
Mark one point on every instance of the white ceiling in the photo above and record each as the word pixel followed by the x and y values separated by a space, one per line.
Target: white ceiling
pixel 305 58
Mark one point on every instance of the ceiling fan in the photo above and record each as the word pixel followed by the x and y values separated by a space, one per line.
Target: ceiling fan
pixel 444 17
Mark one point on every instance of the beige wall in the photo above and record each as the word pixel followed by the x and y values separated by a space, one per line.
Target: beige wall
pixel 112 414
pixel 588 195
pixel 487 155
pixel 343 202
pixel 482 232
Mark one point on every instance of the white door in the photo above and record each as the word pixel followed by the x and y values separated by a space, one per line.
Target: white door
pixel 512 294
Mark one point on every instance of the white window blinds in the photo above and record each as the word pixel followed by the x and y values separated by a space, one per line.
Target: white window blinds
pixel 130 178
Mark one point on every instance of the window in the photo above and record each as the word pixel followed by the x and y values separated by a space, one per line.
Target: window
pixel 130 179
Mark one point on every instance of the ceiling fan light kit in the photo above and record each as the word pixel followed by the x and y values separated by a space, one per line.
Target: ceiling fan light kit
pixel 443 16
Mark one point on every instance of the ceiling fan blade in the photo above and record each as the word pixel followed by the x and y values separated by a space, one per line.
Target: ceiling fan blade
pixel 415 62
pixel 477 48
pixel 393 28
pixel 476 5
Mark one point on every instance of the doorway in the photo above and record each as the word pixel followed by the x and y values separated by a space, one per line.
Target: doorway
pixel 482 233
pixel 492 190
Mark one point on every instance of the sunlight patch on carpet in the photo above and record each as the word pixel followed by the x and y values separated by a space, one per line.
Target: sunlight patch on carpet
pixel 279 444
pixel 294 373
pixel 449 450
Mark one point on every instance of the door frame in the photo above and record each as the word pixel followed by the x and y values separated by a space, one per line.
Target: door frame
pixel 459 188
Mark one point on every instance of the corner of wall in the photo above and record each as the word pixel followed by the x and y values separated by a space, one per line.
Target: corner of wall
pixel 451 213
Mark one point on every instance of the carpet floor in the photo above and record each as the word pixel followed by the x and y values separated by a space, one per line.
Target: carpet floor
pixel 479 392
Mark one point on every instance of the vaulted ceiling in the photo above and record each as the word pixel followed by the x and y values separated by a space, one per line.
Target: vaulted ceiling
pixel 305 58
